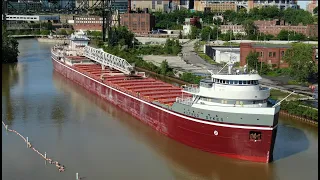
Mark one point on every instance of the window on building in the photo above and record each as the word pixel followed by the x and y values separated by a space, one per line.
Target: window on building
pixel 270 54
pixel 274 54
pixel 282 53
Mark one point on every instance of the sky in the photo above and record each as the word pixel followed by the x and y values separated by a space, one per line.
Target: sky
pixel 303 4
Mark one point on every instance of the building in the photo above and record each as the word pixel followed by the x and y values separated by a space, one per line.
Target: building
pixel 155 5
pixel 275 26
pixel 236 29
pixel 89 23
pixel 271 54
pixel 223 5
pixel 216 6
pixel 222 54
pixel 311 5
pixel 140 23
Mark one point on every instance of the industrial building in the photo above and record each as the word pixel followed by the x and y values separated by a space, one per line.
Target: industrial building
pixel 222 54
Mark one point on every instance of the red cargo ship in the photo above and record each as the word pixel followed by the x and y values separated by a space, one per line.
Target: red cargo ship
pixel 226 115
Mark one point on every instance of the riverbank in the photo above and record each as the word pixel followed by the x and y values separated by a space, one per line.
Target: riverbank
pixel 302 119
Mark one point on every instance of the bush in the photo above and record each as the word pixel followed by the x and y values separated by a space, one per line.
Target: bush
pixel 296 108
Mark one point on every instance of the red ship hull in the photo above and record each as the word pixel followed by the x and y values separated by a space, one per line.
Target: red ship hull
pixel 230 141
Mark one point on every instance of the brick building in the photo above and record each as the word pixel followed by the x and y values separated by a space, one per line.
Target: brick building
pixel 140 23
pixel 91 23
pixel 236 29
pixel 275 26
pixel 268 53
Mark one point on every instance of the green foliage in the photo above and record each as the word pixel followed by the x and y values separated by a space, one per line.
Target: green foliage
pixel 44 32
pixel 172 47
pixel 190 78
pixel 95 34
pixel 300 60
pixel 9 48
pixel 249 27
pixel 252 60
pixel 194 32
pixel 165 68
pixel 62 32
pixel 290 15
pixel 296 16
pixel 120 36
pixel 315 10
pixel 297 108
pixel 171 20
pixel 293 36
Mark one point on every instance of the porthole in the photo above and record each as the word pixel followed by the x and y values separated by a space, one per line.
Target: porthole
pixel 215 132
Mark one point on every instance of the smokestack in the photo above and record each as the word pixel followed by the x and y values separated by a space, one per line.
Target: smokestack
pixel 129 6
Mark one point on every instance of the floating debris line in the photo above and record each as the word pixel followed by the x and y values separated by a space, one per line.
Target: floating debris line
pixel 60 167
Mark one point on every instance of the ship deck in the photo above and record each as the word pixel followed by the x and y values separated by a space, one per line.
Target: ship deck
pixel 145 88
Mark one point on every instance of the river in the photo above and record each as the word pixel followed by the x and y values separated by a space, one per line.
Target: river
pixel 99 141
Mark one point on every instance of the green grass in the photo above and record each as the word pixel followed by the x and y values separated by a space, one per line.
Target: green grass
pixel 278 95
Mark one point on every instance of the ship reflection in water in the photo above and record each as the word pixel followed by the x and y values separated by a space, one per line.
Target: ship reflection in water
pixel 186 162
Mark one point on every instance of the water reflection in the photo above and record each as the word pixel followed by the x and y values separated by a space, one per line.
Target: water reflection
pixel 286 146
pixel 10 77
pixel 184 162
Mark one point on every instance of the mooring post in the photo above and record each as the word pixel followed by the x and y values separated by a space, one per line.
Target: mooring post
pixel 7 127
pixel 27 141
pixel 77 176
pixel 45 156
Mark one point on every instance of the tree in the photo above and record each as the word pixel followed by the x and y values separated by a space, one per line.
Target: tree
pixel 252 60
pixel 315 10
pixel 250 28
pixel 300 60
pixel 165 68
pixel 194 32
pixel 9 48
pixel 206 33
pixel 283 35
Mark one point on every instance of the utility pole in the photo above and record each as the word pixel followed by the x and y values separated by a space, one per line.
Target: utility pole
pixel 103 21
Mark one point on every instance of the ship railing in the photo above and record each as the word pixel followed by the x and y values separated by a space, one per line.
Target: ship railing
pixel 191 89
pixel 184 100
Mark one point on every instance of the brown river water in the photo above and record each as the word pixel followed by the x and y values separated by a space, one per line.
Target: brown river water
pixel 99 141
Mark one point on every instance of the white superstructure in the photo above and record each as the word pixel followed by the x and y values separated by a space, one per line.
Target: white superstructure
pixel 233 89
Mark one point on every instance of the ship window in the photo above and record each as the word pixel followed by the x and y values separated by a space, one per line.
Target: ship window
pixel 230 82
pixel 244 82
pixel 236 82
pixel 240 82
pixel 227 81
pixel 255 136
pixel 223 81
pixel 248 82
